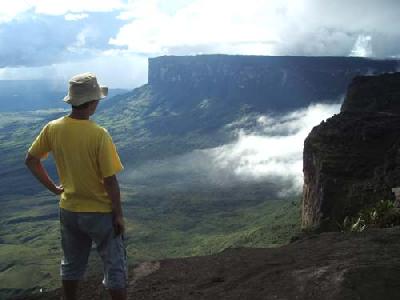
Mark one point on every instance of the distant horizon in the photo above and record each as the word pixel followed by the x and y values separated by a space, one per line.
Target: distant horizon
pixel 64 81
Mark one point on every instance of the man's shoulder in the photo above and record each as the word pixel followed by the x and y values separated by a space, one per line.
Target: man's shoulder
pixel 56 121
pixel 90 127
pixel 53 123
pixel 101 129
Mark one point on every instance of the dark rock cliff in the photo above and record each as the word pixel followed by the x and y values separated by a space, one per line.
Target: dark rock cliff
pixel 352 160
pixel 274 83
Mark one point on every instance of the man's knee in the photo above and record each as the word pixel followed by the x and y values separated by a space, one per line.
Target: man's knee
pixel 72 270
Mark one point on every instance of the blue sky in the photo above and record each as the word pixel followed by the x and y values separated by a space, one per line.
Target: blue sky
pixel 50 39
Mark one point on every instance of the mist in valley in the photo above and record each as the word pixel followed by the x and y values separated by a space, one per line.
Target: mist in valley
pixel 266 150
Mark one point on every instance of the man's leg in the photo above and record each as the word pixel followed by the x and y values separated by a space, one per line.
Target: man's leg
pixel 70 289
pixel 112 252
pixel 76 247
pixel 119 294
pixel 115 268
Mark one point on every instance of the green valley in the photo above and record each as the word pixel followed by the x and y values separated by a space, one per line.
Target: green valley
pixel 175 226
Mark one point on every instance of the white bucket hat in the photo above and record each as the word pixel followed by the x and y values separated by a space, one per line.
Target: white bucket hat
pixel 84 88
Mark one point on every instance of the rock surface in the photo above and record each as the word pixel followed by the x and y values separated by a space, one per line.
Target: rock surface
pixel 329 266
pixel 374 94
pixel 351 160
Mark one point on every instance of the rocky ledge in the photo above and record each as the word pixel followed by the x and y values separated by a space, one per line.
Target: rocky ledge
pixel 326 266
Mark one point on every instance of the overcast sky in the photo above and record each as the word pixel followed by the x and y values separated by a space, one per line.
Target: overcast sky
pixel 42 39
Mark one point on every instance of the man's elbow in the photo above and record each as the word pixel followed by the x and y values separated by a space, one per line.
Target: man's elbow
pixel 31 160
pixel 110 181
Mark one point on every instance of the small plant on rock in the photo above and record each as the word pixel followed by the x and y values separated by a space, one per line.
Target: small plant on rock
pixel 384 214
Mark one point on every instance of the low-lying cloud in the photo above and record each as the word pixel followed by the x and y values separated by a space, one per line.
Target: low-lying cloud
pixel 269 152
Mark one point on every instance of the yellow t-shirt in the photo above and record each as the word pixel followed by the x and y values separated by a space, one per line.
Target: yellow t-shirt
pixel 85 154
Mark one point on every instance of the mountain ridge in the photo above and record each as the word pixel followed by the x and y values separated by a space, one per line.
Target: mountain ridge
pixel 30 95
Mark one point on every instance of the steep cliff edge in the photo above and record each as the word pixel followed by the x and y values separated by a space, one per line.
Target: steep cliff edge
pixel 373 94
pixel 351 160
pixel 330 266
pixel 262 83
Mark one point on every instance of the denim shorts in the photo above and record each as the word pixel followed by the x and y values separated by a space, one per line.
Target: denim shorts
pixel 78 231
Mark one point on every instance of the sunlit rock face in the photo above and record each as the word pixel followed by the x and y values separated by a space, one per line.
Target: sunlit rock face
pixel 261 82
pixel 352 160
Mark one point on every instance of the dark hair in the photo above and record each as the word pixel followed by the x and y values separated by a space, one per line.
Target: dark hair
pixel 83 106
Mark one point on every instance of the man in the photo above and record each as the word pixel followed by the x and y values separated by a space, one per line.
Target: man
pixel 90 205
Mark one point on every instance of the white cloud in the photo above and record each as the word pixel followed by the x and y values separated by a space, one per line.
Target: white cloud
pixel 227 25
pixel 271 152
pixel 80 41
pixel 75 17
pixel 11 9
pixel 265 27
pixel 362 47
pixel 185 27
pixel 51 7
pixel 117 69
pixel 284 27
pixel 275 148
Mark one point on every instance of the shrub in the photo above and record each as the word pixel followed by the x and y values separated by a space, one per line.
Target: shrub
pixel 384 214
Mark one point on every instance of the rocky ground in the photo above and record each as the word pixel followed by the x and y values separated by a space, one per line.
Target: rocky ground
pixel 326 266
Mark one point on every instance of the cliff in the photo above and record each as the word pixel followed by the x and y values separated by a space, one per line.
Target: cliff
pixel 373 94
pixel 351 160
pixel 264 83
pixel 330 266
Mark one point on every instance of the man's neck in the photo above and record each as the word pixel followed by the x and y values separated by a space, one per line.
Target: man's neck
pixel 79 115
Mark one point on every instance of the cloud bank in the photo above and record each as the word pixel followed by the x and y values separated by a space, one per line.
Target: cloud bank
pixel 284 27
pixel 37 33
pixel 270 153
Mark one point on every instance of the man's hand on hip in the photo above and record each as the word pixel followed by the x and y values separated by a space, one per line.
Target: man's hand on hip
pixel 58 189
pixel 35 166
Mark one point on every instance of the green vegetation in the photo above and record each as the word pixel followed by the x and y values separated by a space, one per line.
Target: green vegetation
pixel 382 215
pixel 198 228
pixel 156 228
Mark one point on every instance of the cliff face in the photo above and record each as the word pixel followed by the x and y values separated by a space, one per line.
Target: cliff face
pixel 262 82
pixel 351 160
pixel 374 94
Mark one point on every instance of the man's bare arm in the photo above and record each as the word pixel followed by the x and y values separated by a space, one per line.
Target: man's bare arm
pixel 111 186
pixel 35 166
